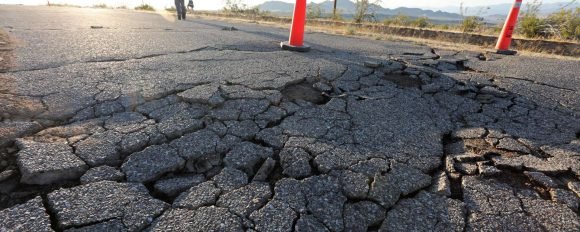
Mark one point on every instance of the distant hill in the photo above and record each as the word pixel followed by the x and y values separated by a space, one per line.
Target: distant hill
pixel 416 12
pixel 347 8
pixel 545 9
pixel 503 9
pixel 276 6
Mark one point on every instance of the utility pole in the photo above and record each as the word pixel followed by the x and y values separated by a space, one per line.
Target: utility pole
pixel 334 10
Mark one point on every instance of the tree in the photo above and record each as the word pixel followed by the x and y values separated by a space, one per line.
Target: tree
pixel 314 11
pixel 470 23
pixel 234 6
pixel 334 10
pixel 365 10
pixel 565 24
pixel 531 25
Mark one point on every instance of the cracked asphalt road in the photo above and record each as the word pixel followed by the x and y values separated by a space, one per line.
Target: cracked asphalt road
pixel 156 125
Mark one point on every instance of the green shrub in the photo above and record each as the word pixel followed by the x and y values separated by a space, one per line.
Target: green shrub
pixel 564 24
pixel 146 7
pixel 530 26
pixel 387 22
pixel 401 20
pixel 422 22
pixel 100 5
pixel 471 23
pixel 313 11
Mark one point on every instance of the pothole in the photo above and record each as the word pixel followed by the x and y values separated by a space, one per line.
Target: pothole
pixel 403 80
pixel 22 193
pixel 454 177
pixel 482 57
pixel 157 195
pixel 578 134
pixel 8 157
pixel 304 91
pixel 462 67
pixel 518 180
pixel 455 186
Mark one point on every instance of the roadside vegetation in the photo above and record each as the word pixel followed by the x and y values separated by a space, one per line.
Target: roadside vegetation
pixel 145 7
pixel 236 7
pixel 314 11
pixel 62 5
pixel 100 6
pixel 563 25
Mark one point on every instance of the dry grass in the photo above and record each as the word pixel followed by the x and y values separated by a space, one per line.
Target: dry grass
pixel 350 31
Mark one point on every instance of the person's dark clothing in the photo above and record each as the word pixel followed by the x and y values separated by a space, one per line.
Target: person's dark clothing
pixel 180 7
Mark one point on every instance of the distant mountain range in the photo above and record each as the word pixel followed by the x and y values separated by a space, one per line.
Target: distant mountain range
pixel 348 8
pixel 502 9
pixel 492 13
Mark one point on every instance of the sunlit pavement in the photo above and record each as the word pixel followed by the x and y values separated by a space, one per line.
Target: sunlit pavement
pixel 115 120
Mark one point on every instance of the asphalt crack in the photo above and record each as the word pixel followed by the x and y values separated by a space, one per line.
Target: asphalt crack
pixel 462 65
pixel 112 60
pixel 52 216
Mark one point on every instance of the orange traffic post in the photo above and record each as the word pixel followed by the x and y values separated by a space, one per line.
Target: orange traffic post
pixel 296 41
pixel 505 38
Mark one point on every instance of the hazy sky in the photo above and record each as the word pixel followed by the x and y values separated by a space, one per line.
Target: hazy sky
pixel 217 4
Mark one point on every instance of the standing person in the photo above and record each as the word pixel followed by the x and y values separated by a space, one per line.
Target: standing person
pixel 180 7
pixel 190 6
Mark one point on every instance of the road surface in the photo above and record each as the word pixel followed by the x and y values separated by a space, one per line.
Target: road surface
pixel 115 120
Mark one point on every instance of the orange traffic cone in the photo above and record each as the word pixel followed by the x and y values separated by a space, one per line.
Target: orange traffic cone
pixel 296 41
pixel 505 38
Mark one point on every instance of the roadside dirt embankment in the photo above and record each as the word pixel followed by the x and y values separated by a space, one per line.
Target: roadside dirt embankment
pixel 532 45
